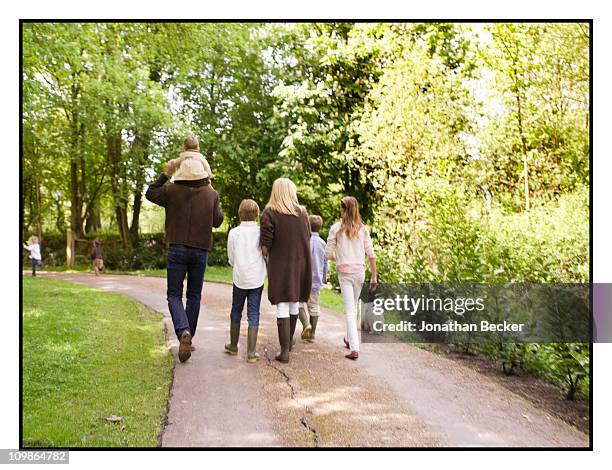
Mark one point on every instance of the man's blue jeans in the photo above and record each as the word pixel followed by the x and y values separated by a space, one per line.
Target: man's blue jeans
pixel 253 298
pixel 191 262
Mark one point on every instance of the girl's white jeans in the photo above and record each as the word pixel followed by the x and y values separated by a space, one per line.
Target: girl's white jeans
pixel 350 288
pixel 284 309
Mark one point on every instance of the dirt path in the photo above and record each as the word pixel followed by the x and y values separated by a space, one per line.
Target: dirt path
pixel 395 395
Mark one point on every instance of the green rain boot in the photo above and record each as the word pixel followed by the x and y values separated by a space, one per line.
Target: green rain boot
pixel 313 324
pixel 292 323
pixel 232 347
pixel 252 355
pixel 303 316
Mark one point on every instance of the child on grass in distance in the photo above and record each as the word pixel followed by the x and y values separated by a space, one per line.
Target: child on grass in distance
pixel 249 272
pixel 96 256
pixel 33 247
pixel 309 311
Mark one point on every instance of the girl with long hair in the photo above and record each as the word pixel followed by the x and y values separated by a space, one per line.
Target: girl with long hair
pixel 349 243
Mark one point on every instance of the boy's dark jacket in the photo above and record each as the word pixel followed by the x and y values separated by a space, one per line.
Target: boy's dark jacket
pixel 96 251
pixel 192 210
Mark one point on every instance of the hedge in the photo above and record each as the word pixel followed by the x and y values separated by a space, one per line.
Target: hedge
pixel 148 253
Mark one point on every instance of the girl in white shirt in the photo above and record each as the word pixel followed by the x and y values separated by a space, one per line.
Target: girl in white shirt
pixel 34 248
pixel 349 243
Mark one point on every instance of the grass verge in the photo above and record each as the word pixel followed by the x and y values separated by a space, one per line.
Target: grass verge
pixel 87 355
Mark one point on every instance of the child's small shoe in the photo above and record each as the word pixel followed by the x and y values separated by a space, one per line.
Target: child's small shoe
pixel 353 355
pixel 306 332
pixel 231 349
pixel 313 327
pixel 253 358
pixel 252 355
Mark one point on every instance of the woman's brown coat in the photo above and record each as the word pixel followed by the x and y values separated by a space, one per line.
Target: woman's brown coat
pixel 287 238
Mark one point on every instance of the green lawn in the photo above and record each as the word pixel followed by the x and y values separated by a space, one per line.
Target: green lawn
pixel 329 298
pixel 89 354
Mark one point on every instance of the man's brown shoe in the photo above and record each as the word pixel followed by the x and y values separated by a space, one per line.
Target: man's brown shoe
pixel 184 351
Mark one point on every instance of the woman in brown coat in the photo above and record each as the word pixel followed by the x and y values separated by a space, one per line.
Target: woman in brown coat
pixel 285 242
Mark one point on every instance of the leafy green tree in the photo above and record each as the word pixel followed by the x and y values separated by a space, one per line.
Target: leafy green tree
pixel 536 142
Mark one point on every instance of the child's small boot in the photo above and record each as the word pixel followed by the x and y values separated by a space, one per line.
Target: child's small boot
pixel 292 323
pixel 313 324
pixel 232 347
pixel 306 327
pixel 252 355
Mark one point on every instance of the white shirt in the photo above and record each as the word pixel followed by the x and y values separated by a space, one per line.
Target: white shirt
pixel 349 254
pixel 34 250
pixel 244 254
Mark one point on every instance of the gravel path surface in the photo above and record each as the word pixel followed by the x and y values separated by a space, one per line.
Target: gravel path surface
pixel 394 395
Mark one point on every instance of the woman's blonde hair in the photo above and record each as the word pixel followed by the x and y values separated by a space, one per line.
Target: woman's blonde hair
pixel 351 219
pixel 283 198
pixel 32 240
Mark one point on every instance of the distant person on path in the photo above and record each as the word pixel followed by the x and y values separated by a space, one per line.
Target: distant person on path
pixel 349 243
pixel 249 272
pixel 96 256
pixel 309 311
pixel 192 210
pixel 285 242
pixel 33 247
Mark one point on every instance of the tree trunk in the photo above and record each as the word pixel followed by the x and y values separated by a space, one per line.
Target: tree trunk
pixel 70 245
pixel 519 116
pixel 93 221
pixel 75 201
pixel 138 154
pixel 135 225
pixel 76 197
pixel 38 210
pixel 526 178
pixel 60 222
pixel 114 158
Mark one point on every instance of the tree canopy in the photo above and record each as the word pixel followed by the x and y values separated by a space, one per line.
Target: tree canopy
pixel 438 129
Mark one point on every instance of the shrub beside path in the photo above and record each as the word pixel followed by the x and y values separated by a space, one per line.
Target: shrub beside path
pixel 394 395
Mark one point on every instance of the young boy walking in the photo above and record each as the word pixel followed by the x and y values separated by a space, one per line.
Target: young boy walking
pixel 309 312
pixel 249 272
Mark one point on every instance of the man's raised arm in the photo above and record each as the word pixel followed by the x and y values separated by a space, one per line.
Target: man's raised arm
pixel 156 192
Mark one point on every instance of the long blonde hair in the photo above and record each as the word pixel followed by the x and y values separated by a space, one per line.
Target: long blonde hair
pixel 283 197
pixel 33 240
pixel 351 219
